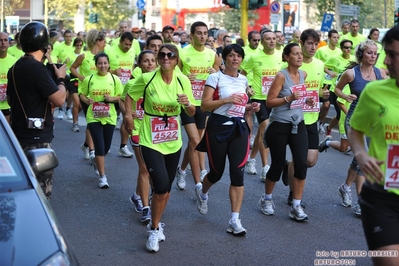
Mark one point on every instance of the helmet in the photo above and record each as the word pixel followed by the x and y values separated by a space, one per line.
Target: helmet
pixel 34 36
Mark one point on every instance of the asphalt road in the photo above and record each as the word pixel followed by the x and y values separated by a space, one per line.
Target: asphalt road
pixel 103 228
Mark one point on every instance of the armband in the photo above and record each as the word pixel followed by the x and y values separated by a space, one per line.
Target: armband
pixel 285 98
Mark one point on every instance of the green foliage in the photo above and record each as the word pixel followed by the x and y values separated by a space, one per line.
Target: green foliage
pixel 109 12
pixel 230 19
pixel 10 6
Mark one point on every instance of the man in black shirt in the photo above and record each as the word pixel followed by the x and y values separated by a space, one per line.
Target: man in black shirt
pixel 31 93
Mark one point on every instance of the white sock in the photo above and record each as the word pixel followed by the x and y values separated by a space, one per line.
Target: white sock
pixel 203 195
pixel 328 143
pixel 267 196
pixel 135 196
pixel 199 184
pixel 346 187
pixel 296 202
pixel 234 216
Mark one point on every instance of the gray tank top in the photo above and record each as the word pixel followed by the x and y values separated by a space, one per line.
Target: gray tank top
pixel 283 113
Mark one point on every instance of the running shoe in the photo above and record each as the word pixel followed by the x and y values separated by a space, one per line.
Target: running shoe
pixel 119 122
pixel 138 204
pixel 161 235
pixel 146 217
pixel 180 178
pixel 321 128
pixel 69 114
pixel 251 141
pixel 102 182
pixel 266 206
pixel 60 114
pixel 298 214
pixel 152 242
pixel 236 228
pixel 198 190
pixel 265 169
pixel 289 201
pixel 93 163
pixel 327 131
pixel 348 150
pixel 75 128
pixel 125 152
pixel 203 174
pixel 86 153
pixel 346 197
pixel 284 175
pixel 357 210
pixel 323 146
pixel 202 204
pixel 250 166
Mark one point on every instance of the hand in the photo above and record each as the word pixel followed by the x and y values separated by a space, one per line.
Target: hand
pixel 89 101
pixel 350 98
pixel 370 167
pixel 118 72
pixel 109 98
pixel 326 94
pixel 250 92
pixel 60 72
pixel 183 99
pixel 295 96
pixel 310 101
pixel 192 77
pixel 128 121
pixel 211 70
pixel 235 98
pixel 255 107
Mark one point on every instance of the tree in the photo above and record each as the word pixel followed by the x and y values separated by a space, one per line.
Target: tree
pixel 10 6
pixel 110 12
pixel 230 19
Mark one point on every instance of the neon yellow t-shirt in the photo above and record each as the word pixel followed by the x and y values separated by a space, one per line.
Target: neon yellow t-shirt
pixel 195 62
pixel 376 114
pixel 313 81
pixel 338 65
pixel 5 64
pixel 14 51
pixel 120 59
pixel 72 57
pixel 265 67
pixel 62 51
pixel 100 111
pixel 160 100
pixel 88 66
pixel 324 53
pixel 248 53
pixel 380 60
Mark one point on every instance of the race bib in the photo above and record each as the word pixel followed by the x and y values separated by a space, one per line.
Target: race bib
pixel 392 167
pixel 125 75
pixel 101 110
pixel 197 87
pixel 3 92
pixel 316 106
pixel 139 109
pixel 266 82
pixel 160 133
pixel 238 109
pixel 301 101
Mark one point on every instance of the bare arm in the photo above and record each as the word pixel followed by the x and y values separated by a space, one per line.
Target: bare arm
pixel 58 98
pixel 75 65
pixel 345 79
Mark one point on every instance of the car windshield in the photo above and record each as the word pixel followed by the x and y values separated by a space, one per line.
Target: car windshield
pixel 12 173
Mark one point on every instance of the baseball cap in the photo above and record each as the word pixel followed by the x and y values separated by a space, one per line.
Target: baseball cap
pixel 168 28
pixel 136 29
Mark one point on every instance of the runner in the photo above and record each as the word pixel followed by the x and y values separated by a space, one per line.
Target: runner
pixel 197 62
pixel 160 133
pixel 377 117
pixel 287 127
pixel 100 92
pixel 354 34
pixel 265 64
pixel 16 50
pixel 227 133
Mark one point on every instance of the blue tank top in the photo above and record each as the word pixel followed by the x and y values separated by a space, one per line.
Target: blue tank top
pixel 358 84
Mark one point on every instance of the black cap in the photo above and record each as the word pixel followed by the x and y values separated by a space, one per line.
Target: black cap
pixel 34 37
pixel 168 28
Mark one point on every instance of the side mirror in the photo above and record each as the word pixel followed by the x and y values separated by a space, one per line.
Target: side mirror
pixel 42 160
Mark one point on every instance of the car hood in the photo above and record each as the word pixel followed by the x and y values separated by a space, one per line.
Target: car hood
pixel 27 236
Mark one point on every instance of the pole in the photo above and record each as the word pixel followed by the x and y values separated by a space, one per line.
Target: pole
pixel 46 13
pixel 244 20
pixel 2 16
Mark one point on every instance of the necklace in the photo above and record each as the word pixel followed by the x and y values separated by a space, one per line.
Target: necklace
pixel 365 75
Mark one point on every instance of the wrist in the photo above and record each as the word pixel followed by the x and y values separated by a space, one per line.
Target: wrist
pixel 187 105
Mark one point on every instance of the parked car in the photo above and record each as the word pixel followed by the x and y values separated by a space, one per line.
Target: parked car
pixel 29 231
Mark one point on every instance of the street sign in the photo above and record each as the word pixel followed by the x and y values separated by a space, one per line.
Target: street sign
pixel 327 22
pixel 12 20
pixel 274 18
pixel 275 7
pixel 349 10
pixel 140 4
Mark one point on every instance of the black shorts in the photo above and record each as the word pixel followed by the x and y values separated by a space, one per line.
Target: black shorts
pixel 313 136
pixel 84 107
pixel 72 86
pixel 380 216
pixel 264 112
pixel 6 112
pixel 325 86
pixel 199 118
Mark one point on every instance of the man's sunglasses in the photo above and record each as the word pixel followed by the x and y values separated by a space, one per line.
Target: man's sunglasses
pixel 347 47
pixel 161 55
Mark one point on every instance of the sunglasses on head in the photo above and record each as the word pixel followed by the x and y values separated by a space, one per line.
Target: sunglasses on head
pixel 347 47
pixel 161 55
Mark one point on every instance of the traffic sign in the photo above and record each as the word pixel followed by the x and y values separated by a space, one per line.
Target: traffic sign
pixel 349 10
pixel 140 4
pixel 274 18
pixel 275 7
pixel 12 20
pixel 327 22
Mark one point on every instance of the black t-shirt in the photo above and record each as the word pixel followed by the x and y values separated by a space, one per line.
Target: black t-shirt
pixel 34 86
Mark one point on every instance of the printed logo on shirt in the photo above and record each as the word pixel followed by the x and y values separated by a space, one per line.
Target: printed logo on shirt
pixel 382 110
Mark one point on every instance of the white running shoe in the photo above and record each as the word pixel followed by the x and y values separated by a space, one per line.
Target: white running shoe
pixel 75 128
pixel 203 174
pixel 180 178
pixel 250 166
pixel 346 197
pixel 60 114
pixel 236 228
pixel 265 169
pixel 298 214
pixel 161 235
pixel 86 152
pixel 152 242
pixel 69 114
pixel 266 206
pixel 251 141
pixel 102 182
pixel 125 152
pixel 202 205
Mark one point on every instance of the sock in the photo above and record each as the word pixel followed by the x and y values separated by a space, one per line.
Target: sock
pixel 267 196
pixel 346 187
pixel 122 145
pixel 85 144
pixel 328 143
pixel 199 184
pixel 181 171
pixel 204 196
pixel 296 202
pixel 135 196
pixel 234 216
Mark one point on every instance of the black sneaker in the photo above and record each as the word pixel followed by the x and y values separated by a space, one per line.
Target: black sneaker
pixel 146 215
pixel 323 146
pixel 289 201
pixel 284 175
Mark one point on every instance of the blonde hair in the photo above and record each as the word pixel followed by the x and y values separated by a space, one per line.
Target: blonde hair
pixel 92 37
pixel 361 47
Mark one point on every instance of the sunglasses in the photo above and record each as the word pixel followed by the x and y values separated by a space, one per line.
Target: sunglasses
pixel 256 40
pixel 347 47
pixel 161 55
